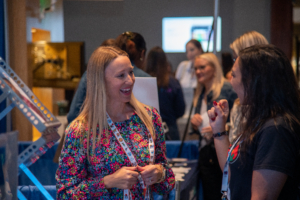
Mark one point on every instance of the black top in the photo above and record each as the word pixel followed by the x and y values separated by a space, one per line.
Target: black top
pixel 274 148
pixel 172 106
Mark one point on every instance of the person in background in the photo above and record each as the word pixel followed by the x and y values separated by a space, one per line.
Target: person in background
pixel 81 89
pixel 264 161
pixel 211 86
pixel 115 148
pixel 246 40
pixel 171 101
pixel 185 71
pixel 227 63
pixel 134 44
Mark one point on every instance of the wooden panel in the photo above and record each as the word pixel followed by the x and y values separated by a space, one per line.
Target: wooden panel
pixel 16 11
pixel 49 97
pixel 282 25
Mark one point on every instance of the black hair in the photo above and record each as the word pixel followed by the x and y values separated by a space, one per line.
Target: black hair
pixel 270 89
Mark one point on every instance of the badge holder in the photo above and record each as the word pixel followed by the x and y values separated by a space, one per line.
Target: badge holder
pixel 20 96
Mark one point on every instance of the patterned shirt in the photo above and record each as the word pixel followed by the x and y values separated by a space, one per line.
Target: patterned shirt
pixel 78 178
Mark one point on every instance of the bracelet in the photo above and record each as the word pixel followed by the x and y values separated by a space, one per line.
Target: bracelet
pixel 163 176
pixel 220 134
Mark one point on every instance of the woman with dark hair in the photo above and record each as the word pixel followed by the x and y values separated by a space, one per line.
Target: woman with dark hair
pixel 269 141
pixel 134 44
pixel 171 101
pixel 185 72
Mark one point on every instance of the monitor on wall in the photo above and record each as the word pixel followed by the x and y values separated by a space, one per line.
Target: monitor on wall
pixel 177 31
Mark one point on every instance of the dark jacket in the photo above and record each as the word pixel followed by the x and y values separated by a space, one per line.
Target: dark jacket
pixel 172 106
pixel 227 93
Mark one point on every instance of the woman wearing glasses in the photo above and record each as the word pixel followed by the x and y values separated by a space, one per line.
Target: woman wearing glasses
pixel 115 148
pixel 211 86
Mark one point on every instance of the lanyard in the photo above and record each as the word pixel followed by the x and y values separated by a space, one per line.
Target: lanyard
pixel 127 194
pixel 225 189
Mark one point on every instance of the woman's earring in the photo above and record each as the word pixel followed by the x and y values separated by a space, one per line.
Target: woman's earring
pixel 141 59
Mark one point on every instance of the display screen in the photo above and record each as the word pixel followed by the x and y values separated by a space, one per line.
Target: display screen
pixel 177 31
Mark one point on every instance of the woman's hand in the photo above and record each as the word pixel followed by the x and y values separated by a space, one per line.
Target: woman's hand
pixel 124 178
pixel 151 173
pixel 206 132
pixel 218 116
pixel 196 121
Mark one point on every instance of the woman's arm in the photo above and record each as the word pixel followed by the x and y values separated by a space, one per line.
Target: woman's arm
pixel 179 70
pixel 71 175
pixel 267 184
pixel 217 118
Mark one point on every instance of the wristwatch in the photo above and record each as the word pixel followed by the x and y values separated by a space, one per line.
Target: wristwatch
pixel 163 176
pixel 220 134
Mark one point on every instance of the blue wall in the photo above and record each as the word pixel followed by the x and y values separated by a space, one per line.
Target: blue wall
pixel 2 54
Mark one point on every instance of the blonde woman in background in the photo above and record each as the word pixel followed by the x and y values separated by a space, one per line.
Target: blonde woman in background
pixel 246 40
pixel 116 144
pixel 211 87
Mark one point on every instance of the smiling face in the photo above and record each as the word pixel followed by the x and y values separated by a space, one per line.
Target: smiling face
pixel 119 80
pixel 204 71
pixel 236 80
pixel 192 51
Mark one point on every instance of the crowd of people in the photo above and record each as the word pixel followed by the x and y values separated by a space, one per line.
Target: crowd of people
pixel 245 111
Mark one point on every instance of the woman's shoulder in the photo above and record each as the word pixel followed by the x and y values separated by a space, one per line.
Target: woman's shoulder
pixel 173 82
pixel 278 126
pixel 151 110
pixel 227 90
pixel 227 85
pixel 184 64
pixel 77 128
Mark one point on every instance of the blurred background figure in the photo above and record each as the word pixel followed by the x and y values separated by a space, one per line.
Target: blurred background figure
pixel 109 42
pixel 171 101
pixel 80 94
pixel 227 63
pixel 211 87
pixel 185 71
pixel 134 44
pixel 246 40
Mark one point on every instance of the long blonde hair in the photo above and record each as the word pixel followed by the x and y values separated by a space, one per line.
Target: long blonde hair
pixel 218 79
pixel 94 107
pixel 246 40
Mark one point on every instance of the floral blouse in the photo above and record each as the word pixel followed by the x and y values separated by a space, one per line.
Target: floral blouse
pixel 78 178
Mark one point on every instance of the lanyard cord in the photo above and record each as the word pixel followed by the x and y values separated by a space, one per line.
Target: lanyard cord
pixel 225 183
pixel 132 159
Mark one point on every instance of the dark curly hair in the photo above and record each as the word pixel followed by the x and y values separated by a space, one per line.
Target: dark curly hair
pixel 270 89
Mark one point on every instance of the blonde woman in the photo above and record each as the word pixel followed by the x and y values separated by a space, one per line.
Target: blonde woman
pixel 246 40
pixel 211 87
pixel 115 148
